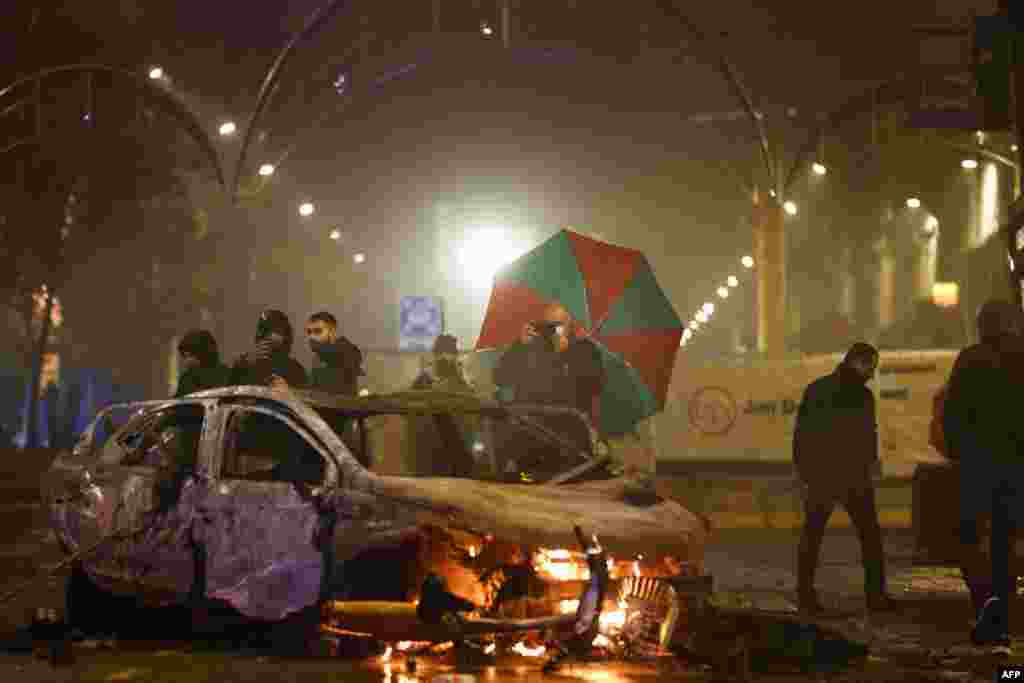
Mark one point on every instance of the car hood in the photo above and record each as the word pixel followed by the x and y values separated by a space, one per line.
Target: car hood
pixel 544 515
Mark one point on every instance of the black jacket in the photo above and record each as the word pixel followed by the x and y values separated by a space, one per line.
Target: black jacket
pixel 203 378
pixel 540 375
pixel 342 366
pixel 835 441
pixel 981 416
pixel 258 372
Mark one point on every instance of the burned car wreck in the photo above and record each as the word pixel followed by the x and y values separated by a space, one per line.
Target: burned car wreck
pixel 248 497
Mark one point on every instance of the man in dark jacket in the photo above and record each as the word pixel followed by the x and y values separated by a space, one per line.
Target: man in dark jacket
pixel 200 362
pixel 553 365
pixel 982 429
pixel 835 449
pixel 341 361
pixel 270 362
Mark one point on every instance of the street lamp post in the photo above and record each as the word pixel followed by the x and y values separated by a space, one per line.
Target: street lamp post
pixel 770 258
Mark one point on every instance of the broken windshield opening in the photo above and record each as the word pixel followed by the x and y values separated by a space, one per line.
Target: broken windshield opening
pixel 467 445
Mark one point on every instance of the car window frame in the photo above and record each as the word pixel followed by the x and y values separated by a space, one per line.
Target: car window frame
pixel 229 413
pixel 148 416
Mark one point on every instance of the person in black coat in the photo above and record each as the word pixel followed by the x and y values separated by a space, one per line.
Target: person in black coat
pixel 270 363
pixel 341 361
pixel 982 429
pixel 200 360
pixel 835 450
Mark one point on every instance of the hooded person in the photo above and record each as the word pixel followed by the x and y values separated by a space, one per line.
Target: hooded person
pixel 835 451
pixel 982 430
pixel 199 359
pixel 270 362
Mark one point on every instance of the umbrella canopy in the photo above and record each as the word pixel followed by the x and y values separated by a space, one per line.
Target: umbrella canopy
pixel 614 297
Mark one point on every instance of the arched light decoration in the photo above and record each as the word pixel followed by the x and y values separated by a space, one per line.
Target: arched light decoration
pixel 790 207
pixel 747 261
pixel 306 209
pixel 708 308
pixel 335 234
pixel 227 128
pixel 723 292
pixel 913 203
pixel 733 281
pixel 819 168
pixel 156 73
pixel 969 164
pixel 359 258
pixel 267 170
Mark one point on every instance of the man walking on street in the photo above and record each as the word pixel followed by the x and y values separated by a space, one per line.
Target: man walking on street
pixel 835 450
pixel 981 425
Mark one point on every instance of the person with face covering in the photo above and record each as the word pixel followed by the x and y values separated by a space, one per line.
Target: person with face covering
pixel 835 450
pixel 270 363
pixel 982 429
pixel 200 363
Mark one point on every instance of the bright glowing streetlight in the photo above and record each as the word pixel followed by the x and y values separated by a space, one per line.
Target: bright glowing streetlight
pixel 484 253
pixel 486 29
pixel 708 308
pixel 747 261
pixel 931 225
pixel 306 209
pixel 819 168
pixel 913 203
pixel 335 234
pixel 694 325
pixel 1013 148
pixel 723 292
pixel 733 281
pixel 969 164
pixel 359 258
pixel 701 317
pixel 687 334
pixel 267 169
pixel 156 73
pixel 227 128
pixel 790 207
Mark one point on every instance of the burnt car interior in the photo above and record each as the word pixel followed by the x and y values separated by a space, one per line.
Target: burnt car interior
pixel 165 439
pixel 261 447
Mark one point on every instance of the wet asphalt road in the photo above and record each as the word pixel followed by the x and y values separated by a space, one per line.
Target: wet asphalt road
pixel 751 568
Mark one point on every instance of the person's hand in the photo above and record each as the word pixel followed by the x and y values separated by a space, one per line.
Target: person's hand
pixel 261 351
pixel 529 333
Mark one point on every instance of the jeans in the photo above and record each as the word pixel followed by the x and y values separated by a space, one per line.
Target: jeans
pixel 860 505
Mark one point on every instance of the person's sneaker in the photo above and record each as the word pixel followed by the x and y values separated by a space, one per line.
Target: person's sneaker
pixel 880 603
pixel 990 629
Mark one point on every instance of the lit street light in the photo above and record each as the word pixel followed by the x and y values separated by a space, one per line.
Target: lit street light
pixel 694 325
pixel 701 317
pixel 723 292
pixel 359 258
pixel 156 73
pixel 969 164
pixel 227 128
pixel 733 281
pixel 747 261
pixel 486 29
pixel 790 207
pixel 931 225
pixel 913 203
pixel 708 308
pixel 1013 148
pixel 306 209
pixel 687 334
pixel 819 168
pixel 335 234
pixel 267 169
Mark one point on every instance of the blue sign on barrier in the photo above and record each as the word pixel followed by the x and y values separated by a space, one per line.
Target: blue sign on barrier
pixel 420 322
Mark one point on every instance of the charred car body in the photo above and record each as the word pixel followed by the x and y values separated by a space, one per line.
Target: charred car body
pixel 249 497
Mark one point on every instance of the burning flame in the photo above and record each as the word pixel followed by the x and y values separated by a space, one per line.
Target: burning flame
pixel 489 650
pixel 613 620
pixel 568 606
pixel 636 568
pixel 600 640
pixel 525 650
pixel 560 564
pixel 473 552
pixel 386 657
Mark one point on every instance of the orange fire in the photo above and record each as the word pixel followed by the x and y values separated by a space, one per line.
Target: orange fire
pixel 525 650
pixel 561 565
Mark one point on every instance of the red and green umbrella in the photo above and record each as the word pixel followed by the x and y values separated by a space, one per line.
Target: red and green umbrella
pixel 612 293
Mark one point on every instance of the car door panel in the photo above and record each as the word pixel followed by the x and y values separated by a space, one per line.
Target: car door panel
pixel 261 542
